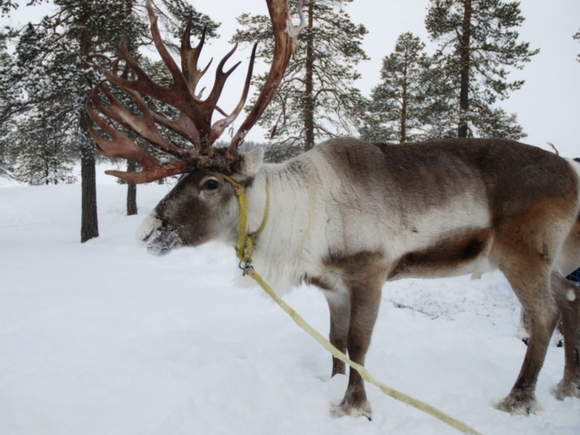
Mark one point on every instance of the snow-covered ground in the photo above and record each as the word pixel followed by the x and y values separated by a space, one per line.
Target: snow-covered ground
pixel 101 338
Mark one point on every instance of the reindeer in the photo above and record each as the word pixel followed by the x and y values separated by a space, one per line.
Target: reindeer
pixel 348 215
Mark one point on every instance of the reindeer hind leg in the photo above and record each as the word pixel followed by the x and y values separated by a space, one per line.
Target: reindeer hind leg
pixel 543 320
pixel 567 296
pixel 528 275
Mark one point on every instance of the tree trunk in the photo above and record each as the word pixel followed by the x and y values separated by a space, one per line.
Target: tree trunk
pixel 89 217
pixel 309 82
pixel 131 191
pixel 465 40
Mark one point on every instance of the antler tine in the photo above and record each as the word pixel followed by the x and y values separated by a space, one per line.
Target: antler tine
pixel 183 125
pixel 220 78
pixel 179 81
pixel 143 125
pixel 285 44
pixel 200 112
pixel 143 83
pixel 218 127
pixel 119 145
pixel 190 57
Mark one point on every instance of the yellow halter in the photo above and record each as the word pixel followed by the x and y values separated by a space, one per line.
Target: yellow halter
pixel 247 242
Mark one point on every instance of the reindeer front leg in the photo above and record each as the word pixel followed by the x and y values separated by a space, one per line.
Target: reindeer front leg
pixel 364 305
pixel 339 307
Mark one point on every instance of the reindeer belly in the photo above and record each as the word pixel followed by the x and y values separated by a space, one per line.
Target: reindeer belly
pixel 456 253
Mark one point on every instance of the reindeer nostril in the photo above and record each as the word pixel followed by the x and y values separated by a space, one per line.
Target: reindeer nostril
pixel 145 238
pixel 147 229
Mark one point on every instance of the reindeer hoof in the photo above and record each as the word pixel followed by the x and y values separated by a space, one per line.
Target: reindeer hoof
pixel 343 409
pixel 524 405
pixel 567 389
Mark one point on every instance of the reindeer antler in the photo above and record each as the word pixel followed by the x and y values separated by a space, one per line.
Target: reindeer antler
pixel 194 122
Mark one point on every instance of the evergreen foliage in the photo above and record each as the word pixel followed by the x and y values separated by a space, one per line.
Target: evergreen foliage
pixel 47 159
pixel 411 102
pixel 478 43
pixel 317 98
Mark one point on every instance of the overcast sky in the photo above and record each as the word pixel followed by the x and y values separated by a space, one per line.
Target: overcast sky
pixel 548 105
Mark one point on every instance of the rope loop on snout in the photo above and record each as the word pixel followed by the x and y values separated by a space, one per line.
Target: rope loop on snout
pixel 244 250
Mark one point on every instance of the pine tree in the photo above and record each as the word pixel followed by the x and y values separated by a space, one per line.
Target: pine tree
pixel 9 96
pixel 56 82
pixel 317 98
pixel 411 101
pixel 45 158
pixel 477 41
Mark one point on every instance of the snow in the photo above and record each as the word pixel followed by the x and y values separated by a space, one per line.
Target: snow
pixel 102 338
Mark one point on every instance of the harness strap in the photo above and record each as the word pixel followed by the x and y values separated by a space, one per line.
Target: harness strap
pixel 246 242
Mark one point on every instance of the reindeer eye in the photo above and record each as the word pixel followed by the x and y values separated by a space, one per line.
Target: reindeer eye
pixel 211 184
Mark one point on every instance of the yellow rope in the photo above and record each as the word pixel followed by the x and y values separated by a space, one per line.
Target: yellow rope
pixel 242 251
pixel 246 242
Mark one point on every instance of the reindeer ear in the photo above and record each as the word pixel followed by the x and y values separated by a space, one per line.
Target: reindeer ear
pixel 252 162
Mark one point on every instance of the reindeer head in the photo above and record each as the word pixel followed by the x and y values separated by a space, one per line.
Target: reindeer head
pixel 201 207
pixel 202 204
